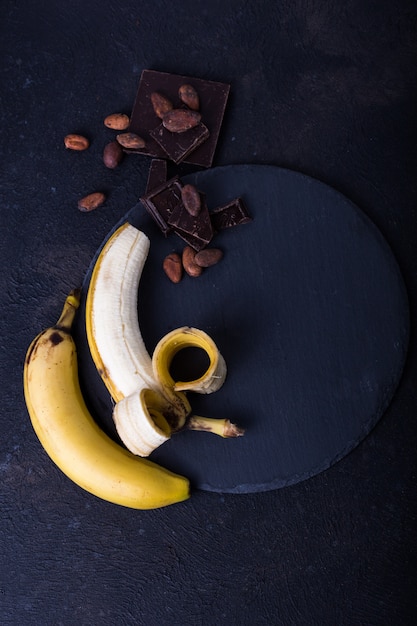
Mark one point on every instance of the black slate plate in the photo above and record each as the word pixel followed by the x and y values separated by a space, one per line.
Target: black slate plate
pixel 308 308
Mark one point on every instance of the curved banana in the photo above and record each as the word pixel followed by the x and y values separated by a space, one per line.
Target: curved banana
pixel 112 323
pixel 71 437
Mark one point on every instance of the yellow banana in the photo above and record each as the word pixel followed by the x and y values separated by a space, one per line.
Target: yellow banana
pixel 149 406
pixel 71 437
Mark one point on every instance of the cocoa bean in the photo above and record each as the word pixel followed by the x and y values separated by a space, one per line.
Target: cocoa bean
pixel 188 262
pixel 189 96
pixel 130 141
pixel 172 267
pixel 91 202
pixel 76 142
pixel 112 154
pixel 161 104
pixel 191 199
pixel 208 257
pixel 117 121
pixel 180 120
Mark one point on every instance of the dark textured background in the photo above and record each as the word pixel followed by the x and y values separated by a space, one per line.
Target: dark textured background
pixel 325 88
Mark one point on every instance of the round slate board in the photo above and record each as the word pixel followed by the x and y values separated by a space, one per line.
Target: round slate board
pixel 308 308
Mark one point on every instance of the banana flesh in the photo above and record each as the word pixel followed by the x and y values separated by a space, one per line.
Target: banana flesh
pixel 117 346
pixel 112 324
pixel 149 404
pixel 148 433
pixel 71 437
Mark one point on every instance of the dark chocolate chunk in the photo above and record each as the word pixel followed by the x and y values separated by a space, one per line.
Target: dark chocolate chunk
pixel 177 146
pixel 194 242
pixel 197 231
pixel 231 214
pixel 157 175
pixel 213 98
pixel 160 202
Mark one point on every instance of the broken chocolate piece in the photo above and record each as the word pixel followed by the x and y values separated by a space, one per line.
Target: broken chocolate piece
pixel 177 146
pixel 160 202
pixel 213 98
pixel 231 214
pixel 195 243
pixel 197 231
pixel 157 175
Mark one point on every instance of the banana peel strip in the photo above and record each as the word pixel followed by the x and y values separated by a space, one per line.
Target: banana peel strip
pixel 179 339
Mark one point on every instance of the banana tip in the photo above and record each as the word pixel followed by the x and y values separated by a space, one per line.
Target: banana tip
pixel 232 430
pixel 222 427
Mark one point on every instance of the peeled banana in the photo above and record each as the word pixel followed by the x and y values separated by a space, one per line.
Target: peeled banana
pixel 71 437
pixel 112 324
pixel 149 404
pixel 116 343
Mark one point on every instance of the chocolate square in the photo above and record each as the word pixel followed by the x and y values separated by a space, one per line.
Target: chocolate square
pixel 179 145
pixel 231 214
pixel 160 202
pixel 196 231
pixel 157 174
pixel 213 98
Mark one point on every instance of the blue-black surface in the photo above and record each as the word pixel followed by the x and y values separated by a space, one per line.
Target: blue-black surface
pixel 322 88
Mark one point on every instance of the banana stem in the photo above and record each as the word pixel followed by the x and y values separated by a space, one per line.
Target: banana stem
pixel 70 307
pixel 221 427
